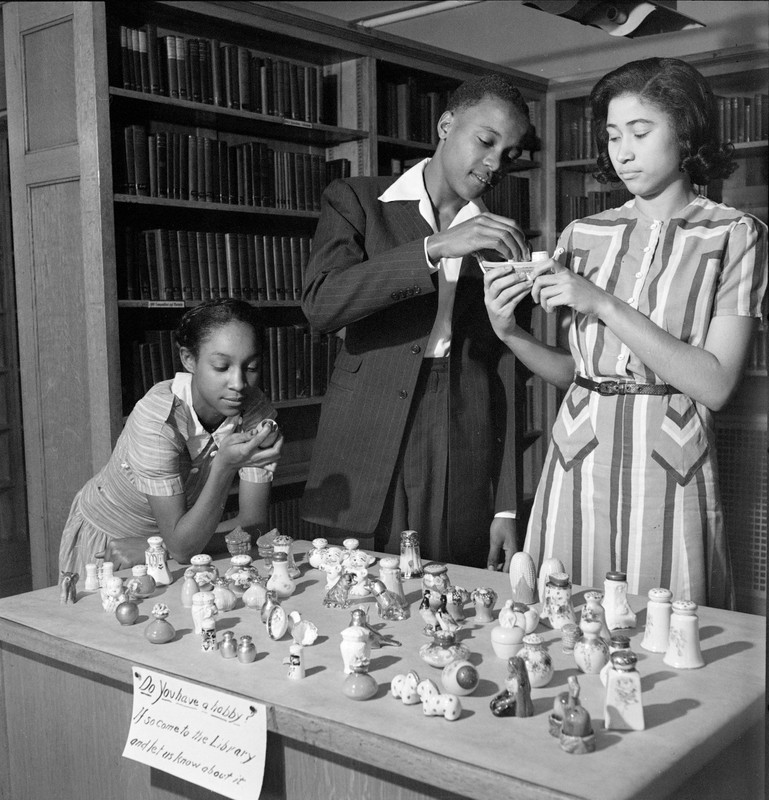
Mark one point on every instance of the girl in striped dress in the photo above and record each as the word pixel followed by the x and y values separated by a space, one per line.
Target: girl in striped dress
pixel 182 446
pixel 659 300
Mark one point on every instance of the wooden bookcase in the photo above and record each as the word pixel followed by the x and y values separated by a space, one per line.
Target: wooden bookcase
pixel 83 328
pixel 738 76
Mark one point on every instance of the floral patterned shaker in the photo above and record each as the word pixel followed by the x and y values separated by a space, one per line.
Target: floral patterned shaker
pixel 538 662
pixel 315 554
pixel 593 609
pixel 484 598
pixel 285 544
pixel 590 651
pixel 623 706
pixel 241 573
pixel 658 610
pixel 411 559
pixel 557 608
pixel 683 650
pixel 203 570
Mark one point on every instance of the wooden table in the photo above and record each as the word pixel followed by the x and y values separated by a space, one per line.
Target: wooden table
pixel 67 697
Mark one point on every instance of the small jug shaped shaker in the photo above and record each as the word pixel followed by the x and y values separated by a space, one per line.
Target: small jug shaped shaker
pixel 618 612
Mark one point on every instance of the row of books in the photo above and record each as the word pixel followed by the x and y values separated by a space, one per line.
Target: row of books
pixel 199 168
pixel 208 71
pixel 405 111
pixel 510 198
pixel 578 206
pixel 296 361
pixel 743 119
pixel 162 264
pixel 576 138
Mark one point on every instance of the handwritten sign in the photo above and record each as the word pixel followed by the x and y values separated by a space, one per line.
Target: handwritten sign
pixel 204 736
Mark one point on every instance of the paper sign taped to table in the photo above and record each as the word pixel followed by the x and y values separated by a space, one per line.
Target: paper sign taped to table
pixel 207 737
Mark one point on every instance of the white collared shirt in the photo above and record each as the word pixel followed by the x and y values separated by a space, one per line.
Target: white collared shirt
pixel 411 186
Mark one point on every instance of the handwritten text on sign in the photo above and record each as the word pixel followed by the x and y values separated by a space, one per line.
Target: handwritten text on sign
pixel 204 736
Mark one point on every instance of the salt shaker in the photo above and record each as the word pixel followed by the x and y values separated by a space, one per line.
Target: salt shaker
pixel 618 612
pixel 683 651
pixel 156 558
pixel 658 611
pixel 617 642
pixel 549 565
pixel 228 647
pixel 623 706
pixel 390 575
pixel 295 662
pixel 411 560
pixel 203 607
pixel 523 578
pixel 390 605
pixel 91 578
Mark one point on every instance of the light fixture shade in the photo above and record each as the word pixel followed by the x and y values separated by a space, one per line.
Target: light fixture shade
pixel 629 18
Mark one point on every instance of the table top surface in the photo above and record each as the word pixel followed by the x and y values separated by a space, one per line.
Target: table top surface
pixel 691 715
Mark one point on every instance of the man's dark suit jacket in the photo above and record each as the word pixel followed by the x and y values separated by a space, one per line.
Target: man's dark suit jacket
pixel 368 274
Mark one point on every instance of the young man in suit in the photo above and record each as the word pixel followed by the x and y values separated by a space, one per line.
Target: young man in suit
pixel 416 428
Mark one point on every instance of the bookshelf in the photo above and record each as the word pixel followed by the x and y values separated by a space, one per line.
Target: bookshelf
pixel 126 176
pixel 740 79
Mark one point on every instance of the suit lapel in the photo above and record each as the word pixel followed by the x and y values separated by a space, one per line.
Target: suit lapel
pixel 406 222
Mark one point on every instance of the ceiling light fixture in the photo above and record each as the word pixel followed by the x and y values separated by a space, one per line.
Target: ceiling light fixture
pixel 420 10
pixel 630 18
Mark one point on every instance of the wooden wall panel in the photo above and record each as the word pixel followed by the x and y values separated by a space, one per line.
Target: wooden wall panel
pixel 63 243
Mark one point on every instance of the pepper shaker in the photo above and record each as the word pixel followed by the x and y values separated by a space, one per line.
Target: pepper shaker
pixel 658 610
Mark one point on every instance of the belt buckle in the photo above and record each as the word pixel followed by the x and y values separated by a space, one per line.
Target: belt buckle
pixel 607 388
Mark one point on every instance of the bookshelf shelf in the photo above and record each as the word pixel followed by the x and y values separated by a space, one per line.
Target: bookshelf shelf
pixel 149 304
pixel 207 207
pixel 188 112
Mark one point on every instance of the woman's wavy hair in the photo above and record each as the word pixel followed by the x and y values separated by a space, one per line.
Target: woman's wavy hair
pixel 200 322
pixel 681 92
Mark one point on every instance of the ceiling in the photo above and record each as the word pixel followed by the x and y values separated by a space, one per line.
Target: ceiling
pixel 509 33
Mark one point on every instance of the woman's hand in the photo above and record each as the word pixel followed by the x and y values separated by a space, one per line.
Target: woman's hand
pixel 559 286
pixel 126 552
pixel 503 291
pixel 243 449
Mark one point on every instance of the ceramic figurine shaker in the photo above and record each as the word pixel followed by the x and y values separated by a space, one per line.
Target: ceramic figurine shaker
pixel 159 630
pixel 577 734
pixel 389 605
pixel 594 610
pixel 156 558
pixel 68 588
pixel 355 645
pixel 484 599
pixel 203 607
pixel 523 578
pixel 295 662
pixel 208 642
pixel 683 651
pixel 515 700
pixel 557 608
pixel 618 611
pixel 658 610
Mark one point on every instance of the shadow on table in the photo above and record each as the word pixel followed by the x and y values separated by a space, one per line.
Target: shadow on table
pixel 661 713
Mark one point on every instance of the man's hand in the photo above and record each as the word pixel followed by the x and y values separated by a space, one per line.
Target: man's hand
pixel 501 538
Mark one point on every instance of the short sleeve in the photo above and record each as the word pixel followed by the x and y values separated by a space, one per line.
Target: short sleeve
pixel 151 454
pixel 743 281
pixel 256 474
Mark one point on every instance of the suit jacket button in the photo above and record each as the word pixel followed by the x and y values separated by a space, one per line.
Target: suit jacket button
pixel 403 394
pixel 410 292
pixel 395 295
pixel 415 348
pixel 417 290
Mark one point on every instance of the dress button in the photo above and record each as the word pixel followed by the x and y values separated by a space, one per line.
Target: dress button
pixel 415 348
pixel 403 394
pixel 395 296
pixel 639 274
pixel 194 470
pixel 647 248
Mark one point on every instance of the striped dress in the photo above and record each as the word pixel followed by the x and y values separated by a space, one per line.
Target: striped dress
pixel 630 482
pixel 162 451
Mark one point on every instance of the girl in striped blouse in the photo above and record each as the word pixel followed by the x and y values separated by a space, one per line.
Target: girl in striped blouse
pixel 659 300
pixel 182 446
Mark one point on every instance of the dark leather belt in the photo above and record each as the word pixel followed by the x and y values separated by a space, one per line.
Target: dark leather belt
pixel 623 387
